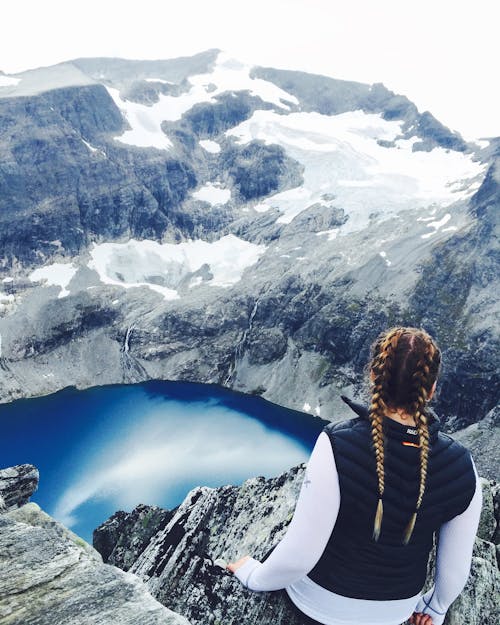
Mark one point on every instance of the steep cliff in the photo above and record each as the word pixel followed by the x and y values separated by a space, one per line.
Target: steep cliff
pixel 49 575
pixel 173 552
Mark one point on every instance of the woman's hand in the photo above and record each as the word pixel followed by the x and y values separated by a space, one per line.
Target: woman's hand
pixel 417 618
pixel 232 566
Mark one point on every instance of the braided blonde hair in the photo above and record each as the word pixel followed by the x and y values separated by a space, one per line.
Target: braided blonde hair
pixel 404 366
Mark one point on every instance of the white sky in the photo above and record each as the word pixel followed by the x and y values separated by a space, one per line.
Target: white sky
pixel 442 54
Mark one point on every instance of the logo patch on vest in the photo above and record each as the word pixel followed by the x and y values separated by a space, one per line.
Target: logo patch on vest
pixel 411 431
pixel 408 444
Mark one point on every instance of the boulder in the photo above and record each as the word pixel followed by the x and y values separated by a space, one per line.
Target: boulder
pixel 50 575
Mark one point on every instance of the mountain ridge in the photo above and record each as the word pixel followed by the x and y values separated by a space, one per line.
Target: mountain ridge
pixel 124 207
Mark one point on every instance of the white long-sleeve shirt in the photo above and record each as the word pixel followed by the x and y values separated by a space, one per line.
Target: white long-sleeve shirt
pixel 306 538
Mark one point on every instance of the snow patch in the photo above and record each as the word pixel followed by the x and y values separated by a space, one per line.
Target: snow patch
pixel 227 75
pixel 162 267
pixel 384 256
pixel 427 218
pixel 7 279
pixel 306 407
pixel 92 149
pixel 212 194
pixel 8 81
pixel 56 274
pixel 341 156
pixel 145 122
pixel 210 146
pixel 332 233
pixel 262 207
pixel 482 143
pixel 162 80
pixel 196 281
pixel 436 225
pixel 6 301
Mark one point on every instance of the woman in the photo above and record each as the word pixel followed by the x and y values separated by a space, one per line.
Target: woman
pixel 375 491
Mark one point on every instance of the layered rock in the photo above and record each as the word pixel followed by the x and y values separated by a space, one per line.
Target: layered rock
pixel 483 440
pixel 50 575
pixel 231 521
pixel 17 484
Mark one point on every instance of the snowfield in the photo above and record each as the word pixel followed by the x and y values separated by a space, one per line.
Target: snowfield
pixel 212 194
pixel 58 274
pixel 342 157
pixel 163 267
pixel 210 146
pixel 228 75
pixel 8 81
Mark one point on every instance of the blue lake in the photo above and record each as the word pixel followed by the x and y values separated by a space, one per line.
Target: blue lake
pixel 112 447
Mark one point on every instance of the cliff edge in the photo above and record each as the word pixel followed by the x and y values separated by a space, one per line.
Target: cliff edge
pixel 49 575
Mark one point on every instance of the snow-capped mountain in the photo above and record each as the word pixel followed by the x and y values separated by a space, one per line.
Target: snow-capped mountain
pixel 198 218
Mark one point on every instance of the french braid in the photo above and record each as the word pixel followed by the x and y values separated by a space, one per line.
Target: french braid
pixel 403 372
pixel 423 381
pixel 381 368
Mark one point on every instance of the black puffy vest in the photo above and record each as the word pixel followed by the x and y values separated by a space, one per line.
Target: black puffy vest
pixel 353 564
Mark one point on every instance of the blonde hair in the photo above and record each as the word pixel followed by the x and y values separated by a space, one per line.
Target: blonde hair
pixel 404 366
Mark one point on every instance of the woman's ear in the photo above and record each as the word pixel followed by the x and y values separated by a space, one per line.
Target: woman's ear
pixel 432 391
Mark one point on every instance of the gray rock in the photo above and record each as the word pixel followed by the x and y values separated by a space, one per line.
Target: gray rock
pixel 483 440
pixel 495 490
pixel 177 565
pixel 124 536
pixel 231 521
pixel 487 522
pixel 17 484
pixel 478 603
pixel 49 575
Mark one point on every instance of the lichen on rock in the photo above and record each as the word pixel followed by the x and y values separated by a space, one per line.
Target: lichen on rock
pixel 49 575
pixel 231 521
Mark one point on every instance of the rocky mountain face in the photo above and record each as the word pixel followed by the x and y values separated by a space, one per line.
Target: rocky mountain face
pixel 173 551
pixel 199 219
pixel 50 575
pixel 154 566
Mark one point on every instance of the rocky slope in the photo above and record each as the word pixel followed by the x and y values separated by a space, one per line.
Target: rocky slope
pixel 173 552
pixel 198 219
pixel 483 440
pixel 49 575
pixel 203 220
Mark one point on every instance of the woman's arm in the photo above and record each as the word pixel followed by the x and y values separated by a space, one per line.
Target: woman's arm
pixel 309 530
pixel 453 559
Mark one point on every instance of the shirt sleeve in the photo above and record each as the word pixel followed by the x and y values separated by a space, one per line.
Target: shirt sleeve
pixel 453 559
pixel 308 532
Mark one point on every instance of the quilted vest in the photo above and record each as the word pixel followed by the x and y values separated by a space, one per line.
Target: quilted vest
pixel 353 564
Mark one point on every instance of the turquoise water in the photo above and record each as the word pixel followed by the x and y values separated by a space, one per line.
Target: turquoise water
pixel 112 447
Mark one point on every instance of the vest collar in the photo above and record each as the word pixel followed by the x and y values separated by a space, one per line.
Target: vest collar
pixel 393 428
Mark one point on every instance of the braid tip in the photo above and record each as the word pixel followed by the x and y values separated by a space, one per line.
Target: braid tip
pixel 378 519
pixel 409 528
